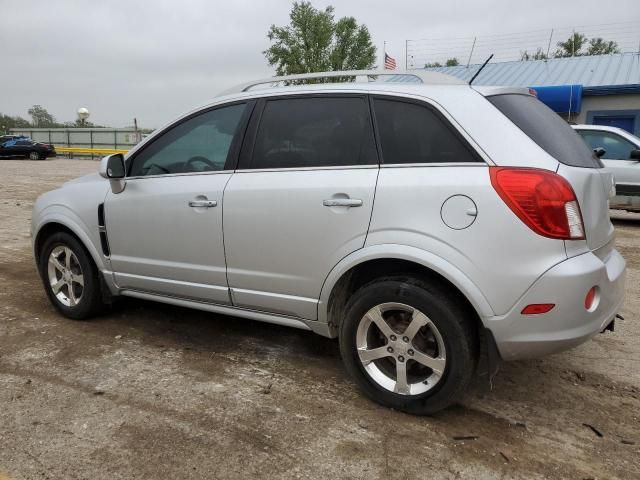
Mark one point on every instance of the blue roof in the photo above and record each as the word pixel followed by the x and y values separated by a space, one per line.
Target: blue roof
pixel 589 71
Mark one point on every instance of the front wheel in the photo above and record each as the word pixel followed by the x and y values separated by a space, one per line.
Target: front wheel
pixel 70 277
pixel 409 344
pixel 34 155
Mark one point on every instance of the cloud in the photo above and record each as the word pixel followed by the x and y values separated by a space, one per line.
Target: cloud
pixel 156 60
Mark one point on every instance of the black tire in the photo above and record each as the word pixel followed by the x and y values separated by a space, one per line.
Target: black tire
pixel 31 155
pixel 453 321
pixel 90 302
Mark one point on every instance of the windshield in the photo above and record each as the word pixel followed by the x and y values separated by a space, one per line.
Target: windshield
pixel 547 129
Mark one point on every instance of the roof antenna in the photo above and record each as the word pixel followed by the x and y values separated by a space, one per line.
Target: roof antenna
pixel 480 69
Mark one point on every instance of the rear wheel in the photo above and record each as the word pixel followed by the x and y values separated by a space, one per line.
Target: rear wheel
pixel 70 277
pixel 408 344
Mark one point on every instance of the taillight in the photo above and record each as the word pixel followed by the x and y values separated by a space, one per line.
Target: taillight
pixel 543 200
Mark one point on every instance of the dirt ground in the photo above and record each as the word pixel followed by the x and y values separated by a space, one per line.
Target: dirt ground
pixel 153 391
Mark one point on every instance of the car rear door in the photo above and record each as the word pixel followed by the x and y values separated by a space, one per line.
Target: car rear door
pixel 165 229
pixel 300 200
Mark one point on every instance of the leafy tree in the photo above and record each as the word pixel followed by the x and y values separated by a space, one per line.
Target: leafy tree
pixel 451 62
pixel 598 46
pixel 79 124
pixel 314 42
pixel 8 122
pixel 572 46
pixel 41 117
pixel 537 55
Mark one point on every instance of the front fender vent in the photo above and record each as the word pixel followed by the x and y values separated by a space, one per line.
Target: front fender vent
pixel 102 230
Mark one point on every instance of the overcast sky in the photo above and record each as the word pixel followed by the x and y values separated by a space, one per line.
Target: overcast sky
pixel 157 59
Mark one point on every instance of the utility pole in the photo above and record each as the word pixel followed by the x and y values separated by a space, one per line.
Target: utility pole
pixel 135 129
pixel 549 46
pixel 471 53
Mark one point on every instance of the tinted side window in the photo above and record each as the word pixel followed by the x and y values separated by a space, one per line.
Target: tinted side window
pixel 24 142
pixel 200 144
pixel 615 147
pixel 411 133
pixel 547 129
pixel 314 132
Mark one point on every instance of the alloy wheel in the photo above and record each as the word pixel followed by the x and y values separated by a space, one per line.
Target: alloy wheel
pixel 65 276
pixel 401 349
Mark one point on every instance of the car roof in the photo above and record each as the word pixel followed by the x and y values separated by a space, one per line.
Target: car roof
pixel 408 81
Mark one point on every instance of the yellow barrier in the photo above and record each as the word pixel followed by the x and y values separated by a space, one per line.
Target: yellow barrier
pixel 90 151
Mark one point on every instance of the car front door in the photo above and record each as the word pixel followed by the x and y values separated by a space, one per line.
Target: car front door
pixel 300 201
pixel 13 148
pixel 165 229
pixel 617 159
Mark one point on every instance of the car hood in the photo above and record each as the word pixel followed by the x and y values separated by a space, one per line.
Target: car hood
pixel 92 177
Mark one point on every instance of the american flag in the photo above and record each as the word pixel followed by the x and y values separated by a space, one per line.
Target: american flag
pixel 389 62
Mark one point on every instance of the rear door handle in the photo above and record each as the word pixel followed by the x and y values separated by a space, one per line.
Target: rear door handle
pixel 342 202
pixel 203 203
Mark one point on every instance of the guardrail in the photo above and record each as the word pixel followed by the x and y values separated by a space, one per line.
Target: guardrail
pixel 89 151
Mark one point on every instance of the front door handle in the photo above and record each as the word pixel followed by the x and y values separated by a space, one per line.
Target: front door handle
pixel 203 203
pixel 342 202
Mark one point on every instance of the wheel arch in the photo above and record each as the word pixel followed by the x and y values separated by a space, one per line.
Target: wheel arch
pixel 56 223
pixel 380 260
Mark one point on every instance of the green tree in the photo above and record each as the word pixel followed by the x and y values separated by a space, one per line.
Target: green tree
pixel 8 122
pixel 451 62
pixel 314 42
pixel 41 118
pixel 572 46
pixel 599 46
pixel 537 55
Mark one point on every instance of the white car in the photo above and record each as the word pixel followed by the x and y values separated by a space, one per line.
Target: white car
pixel 419 223
pixel 621 155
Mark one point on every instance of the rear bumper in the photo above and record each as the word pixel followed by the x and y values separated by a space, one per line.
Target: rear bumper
pixel 568 324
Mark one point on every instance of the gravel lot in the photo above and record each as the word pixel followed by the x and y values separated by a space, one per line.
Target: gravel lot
pixel 153 391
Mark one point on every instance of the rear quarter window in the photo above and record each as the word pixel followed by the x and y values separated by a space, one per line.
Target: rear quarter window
pixel 547 129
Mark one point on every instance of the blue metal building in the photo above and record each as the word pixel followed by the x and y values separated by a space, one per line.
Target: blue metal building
pixel 599 89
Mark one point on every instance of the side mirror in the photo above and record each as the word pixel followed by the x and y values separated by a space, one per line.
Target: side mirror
pixel 112 167
pixel 599 151
pixel 635 154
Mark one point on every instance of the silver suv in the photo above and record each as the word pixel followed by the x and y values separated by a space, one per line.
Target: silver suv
pixel 416 218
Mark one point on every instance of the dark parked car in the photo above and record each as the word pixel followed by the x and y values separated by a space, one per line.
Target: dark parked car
pixel 27 148
pixel 6 138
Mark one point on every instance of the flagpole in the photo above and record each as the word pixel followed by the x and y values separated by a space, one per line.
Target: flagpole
pixel 384 52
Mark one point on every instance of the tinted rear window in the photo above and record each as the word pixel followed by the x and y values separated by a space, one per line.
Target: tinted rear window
pixel 547 129
pixel 411 133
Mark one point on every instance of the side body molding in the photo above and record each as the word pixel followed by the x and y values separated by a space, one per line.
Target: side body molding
pixel 411 254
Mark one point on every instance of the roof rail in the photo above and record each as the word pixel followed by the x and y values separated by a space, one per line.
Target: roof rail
pixel 414 76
